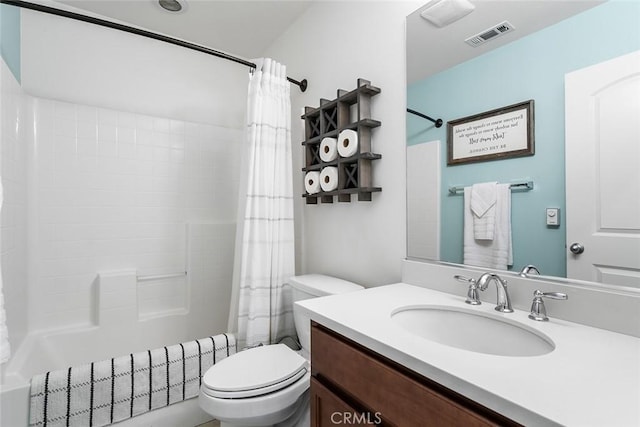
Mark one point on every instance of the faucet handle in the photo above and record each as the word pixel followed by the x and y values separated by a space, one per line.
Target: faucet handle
pixel 464 279
pixel 551 295
pixel 538 310
pixel 473 297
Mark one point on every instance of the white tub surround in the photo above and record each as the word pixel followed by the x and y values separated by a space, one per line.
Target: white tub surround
pixel 14 143
pixel 591 378
pixel 109 197
pixel 114 190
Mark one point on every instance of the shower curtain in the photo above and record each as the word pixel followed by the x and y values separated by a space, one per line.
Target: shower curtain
pixel 265 235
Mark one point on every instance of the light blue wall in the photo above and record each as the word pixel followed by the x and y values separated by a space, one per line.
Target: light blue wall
pixel 530 68
pixel 10 38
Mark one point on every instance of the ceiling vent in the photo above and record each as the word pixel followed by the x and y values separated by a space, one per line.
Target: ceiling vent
pixel 490 34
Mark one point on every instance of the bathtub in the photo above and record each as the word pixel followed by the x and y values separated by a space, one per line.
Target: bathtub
pixel 133 313
pixel 46 351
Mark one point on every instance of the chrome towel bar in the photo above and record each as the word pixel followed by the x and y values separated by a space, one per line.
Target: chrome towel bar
pixel 524 186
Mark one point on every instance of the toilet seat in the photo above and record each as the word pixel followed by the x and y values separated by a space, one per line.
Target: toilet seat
pixel 244 375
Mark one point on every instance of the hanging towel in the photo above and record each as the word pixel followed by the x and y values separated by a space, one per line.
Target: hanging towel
pixel 5 349
pixel 111 390
pixel 483 202
pixel 496 253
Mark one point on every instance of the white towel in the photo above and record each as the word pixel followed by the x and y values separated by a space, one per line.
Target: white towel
pixel 5 349
pixel 112 390
pixel 496 253
pixel 483 202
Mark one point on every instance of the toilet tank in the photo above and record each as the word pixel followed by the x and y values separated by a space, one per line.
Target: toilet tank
pixel 313 286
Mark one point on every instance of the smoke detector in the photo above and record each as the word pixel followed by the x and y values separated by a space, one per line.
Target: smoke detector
pixel 173 6
pixel 490 34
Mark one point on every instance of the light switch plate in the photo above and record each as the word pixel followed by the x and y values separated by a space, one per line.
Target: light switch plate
pixel 553 217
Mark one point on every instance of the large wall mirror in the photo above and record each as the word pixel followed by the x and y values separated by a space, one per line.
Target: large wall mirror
pixel 550 46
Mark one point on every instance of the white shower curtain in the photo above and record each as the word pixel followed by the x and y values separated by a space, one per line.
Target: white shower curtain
pixel 265 235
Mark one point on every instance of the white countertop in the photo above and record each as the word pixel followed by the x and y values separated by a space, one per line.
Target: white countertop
pixel 591 378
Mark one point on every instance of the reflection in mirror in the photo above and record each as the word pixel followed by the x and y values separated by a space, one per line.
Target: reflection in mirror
pixel 448 78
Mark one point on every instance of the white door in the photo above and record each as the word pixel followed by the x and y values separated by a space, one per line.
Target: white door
pixel 603 171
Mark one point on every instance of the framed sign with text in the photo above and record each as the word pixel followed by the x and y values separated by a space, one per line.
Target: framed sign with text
pixel 492 135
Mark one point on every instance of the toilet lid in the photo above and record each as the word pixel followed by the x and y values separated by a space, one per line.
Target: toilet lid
pixel 254 372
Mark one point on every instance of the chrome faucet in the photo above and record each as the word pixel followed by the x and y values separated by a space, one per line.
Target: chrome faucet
pixel 527 269
pixel 472 293
pixel 538 310
pixel 503 300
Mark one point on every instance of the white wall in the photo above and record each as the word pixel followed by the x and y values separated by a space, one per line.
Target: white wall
pixel 332 45
pixel 83 63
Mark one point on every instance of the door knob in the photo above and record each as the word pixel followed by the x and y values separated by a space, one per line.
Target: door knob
pixel 576 248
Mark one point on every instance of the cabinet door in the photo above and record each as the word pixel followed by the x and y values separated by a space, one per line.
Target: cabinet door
pixel 397 396
pixel 327 409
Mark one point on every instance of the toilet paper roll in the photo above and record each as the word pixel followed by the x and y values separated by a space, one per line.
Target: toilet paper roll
pixel 347 143
pixel 329 178
pixel 328 149
pixel 312 182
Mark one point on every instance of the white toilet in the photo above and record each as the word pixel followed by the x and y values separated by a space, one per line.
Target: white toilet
pixel 269 385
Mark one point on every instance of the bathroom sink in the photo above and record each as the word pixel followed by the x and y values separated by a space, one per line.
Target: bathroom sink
pixel 473 331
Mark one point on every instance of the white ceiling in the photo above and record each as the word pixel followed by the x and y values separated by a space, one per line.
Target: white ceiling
pixel 244 28
pixel 431 49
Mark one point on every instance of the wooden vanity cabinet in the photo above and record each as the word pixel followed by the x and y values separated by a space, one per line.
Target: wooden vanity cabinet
pixel 352 385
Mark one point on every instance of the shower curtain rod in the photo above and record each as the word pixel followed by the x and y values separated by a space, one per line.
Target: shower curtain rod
pixel 104 23
pixel 438 122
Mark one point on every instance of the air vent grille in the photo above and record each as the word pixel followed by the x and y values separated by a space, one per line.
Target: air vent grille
pixel 490 33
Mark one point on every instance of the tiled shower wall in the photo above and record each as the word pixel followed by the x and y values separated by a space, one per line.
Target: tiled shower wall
pixel 115 191
pixel 13 246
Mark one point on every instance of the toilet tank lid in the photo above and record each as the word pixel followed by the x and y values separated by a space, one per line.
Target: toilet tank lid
pixel 321 285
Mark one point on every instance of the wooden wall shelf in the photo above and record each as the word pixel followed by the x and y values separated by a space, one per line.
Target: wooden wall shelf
pixel 350 110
